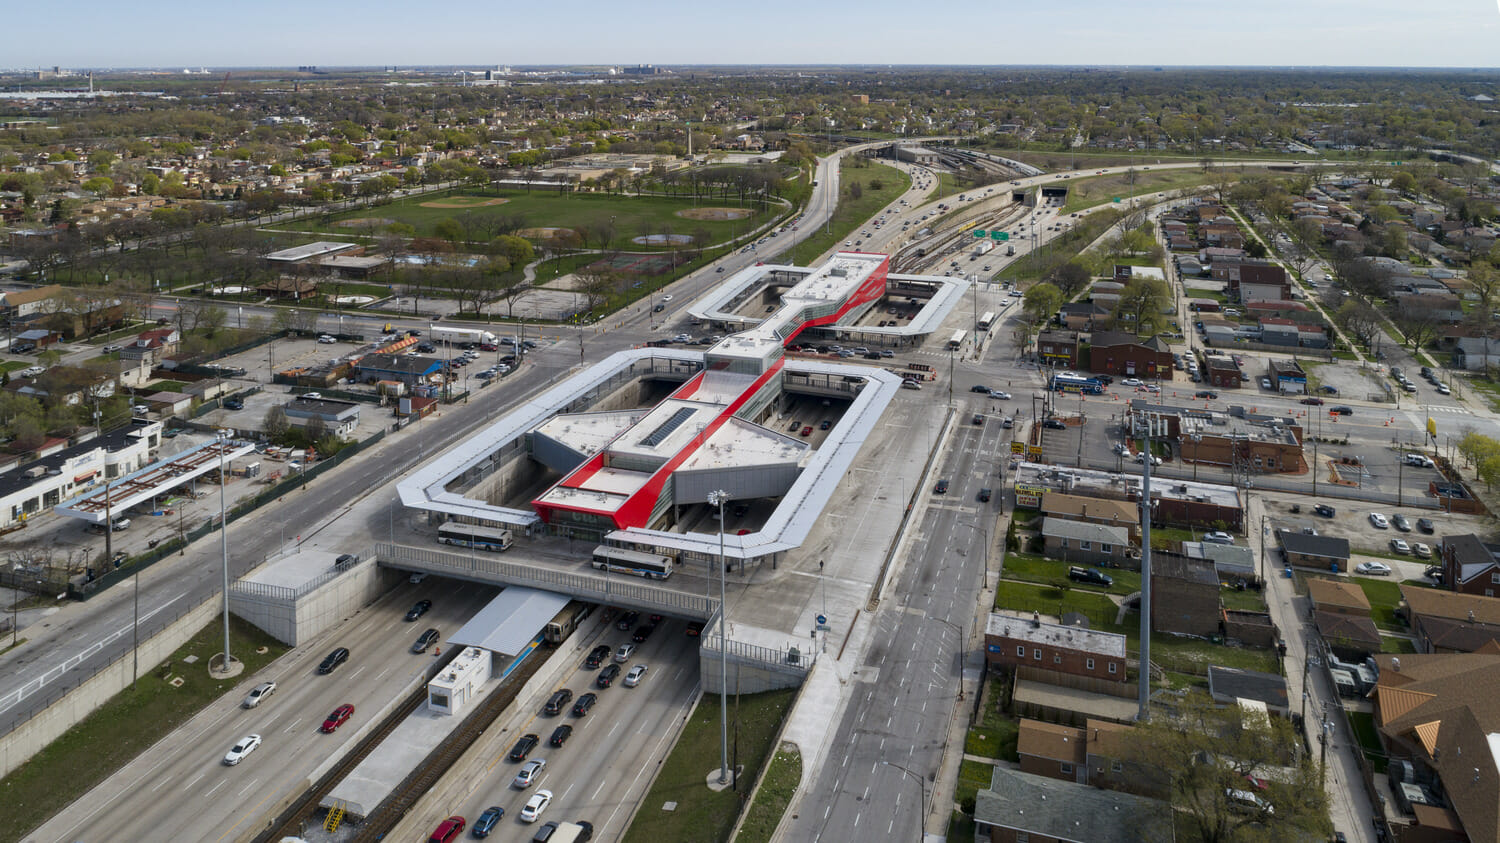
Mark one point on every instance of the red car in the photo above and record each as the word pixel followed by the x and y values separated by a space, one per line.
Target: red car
pixel 807 430
pixel 339 716
pixel 447 830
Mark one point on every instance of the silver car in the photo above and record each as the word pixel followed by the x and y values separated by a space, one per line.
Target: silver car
pixel 259 693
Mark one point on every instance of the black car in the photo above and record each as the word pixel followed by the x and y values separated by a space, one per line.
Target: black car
pixel 1054 424
pixel 941 488
pixel 643 633
pixel 234 404
pixel 1328 390
pixel 607 675
pixel 627 620
pixel 584 703
pixel 1324 510
pixel 560 735
pixel 597 656
pixel 984 495
pixel 1206 393
pixel 1341 410
pixel 523 747
pixel 1399 522
pixel 1105 379
pixel 559 701
pixel 418 610
pixel 979 387
pixel 334 659
pixel 694 629
pixel 586 832
pixel 1090 575
pixel 425 640
pixel 1425 525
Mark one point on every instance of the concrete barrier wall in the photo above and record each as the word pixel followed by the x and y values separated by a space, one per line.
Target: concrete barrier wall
pixel 35 734
pixel 271 612
pixel 747 676
pixel 337 601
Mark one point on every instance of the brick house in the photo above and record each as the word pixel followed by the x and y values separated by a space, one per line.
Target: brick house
pixel 1184 596
pixel 1052 750
pixel 1121 353
pixel 1083 316
pixel 1059 348
pixel 1338 597
pixel 1221 372
pixel 1469 565
pixel 1351 638
pixel 1115 513
pixel 1015 639
pixel 1304 551
pixel 1081 541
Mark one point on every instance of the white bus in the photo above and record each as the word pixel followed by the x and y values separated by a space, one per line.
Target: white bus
pixel 956 341
pixel 650 565
pixel 472 535
pixel 987 320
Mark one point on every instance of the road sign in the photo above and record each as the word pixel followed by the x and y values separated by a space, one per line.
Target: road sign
pixel 979 232
pixel 822 619
pixel 1116 199
pixel 1000 235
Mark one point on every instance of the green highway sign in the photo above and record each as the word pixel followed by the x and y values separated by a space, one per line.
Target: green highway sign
pixel 1116 199
pixel 999 235
pixel 978 232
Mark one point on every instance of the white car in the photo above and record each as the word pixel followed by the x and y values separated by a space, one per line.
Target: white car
pixel 536 805
pixel 237 753
pixel 1400 546
pixel 667 297
pixel 1421 551
pixel 1218 537
pixel 1132 382
pixel 1378 521
pixel 636 674
pixel 1374 569
pixel 1003 396
pixel 259 693
pixel 326 340
pixel 311 396
pixel 529 773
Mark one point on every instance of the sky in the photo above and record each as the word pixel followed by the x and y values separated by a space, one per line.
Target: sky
pixel 276 33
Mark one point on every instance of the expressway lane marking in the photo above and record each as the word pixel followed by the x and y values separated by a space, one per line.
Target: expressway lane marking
pixel 357 672
pixel 381 675
pixel 253 783
pixel 569 790
pixel 293 725
pixel 612 729
pixel 214 788
pixel 197 779
pixel 160 783
pixel 595 794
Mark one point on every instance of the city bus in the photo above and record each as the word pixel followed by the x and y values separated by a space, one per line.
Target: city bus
pixel 956 341
pixel 475 536
pixel 1076 383
pixel 987 320
pixel 650 565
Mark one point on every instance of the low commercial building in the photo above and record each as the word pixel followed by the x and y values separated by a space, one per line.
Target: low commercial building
pixel 1120 353
pixel 1287 376
pixel 1186 503
pixel 1252 442
pixel 1305 551
pixel 337 417
pixel 1021 808
pixel 1058 348
pixel 31 489
pixel 1016 639
pixel 407 369
pixel 312 253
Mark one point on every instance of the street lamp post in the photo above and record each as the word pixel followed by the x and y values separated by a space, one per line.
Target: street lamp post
pixel 921 798
pixel 223 442
pixel 719 498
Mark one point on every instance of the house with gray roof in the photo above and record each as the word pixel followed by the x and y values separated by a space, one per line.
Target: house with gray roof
pixel 1473 354
pixel 1081 541
pixel 1306 551
pixel 1020 806
pixel 1229 684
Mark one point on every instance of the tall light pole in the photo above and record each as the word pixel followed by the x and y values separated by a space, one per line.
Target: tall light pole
pixel 718 498
pixel 921 798
pixel 222 439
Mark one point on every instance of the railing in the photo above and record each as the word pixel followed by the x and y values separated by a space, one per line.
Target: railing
pixel 613 589
pixel 793 658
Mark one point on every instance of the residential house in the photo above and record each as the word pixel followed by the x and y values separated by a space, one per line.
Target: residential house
pixel 1115 513
pixel 1229 685
pixel 1450 622
pixel 1259 281
pixel 1474 354
pixel 1058 348
pixel 1109 764
pixel 1052 750
pixel 1083 542
pixel 1121 353
pixel 1303 551
pixel 1018 807
pixel 23 305
pixel 1184 596
pixel 1351 638
pixel 1017 639
pixel 1083 316
pixel 152 346
pixel 1469 565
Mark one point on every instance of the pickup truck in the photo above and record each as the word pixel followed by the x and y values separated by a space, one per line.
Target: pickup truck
pixel 1090 575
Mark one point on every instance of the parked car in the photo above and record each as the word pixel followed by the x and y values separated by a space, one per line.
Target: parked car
pixel 536 805
pixel 636 674
pixel 259 693
pixel 333 660
pixel 243 747
pixel 1090 575
pixel 527 775
pixel 1324 510
pixel 1400 546
pixel 1434 573
pixel 425 640
pixel 1424 525
pixel 339 717
pixel 1218 537
pixel 1421 550
pixel 1400 523
pixel 1379 521
pixel 523 747
pixel 1373 569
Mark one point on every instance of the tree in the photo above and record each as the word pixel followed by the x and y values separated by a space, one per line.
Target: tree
pixel 448 229
pixel 1041 302
pixel 517 250
pixel 1141 304
pixel 1069 278
pixel 275 423
pixel 1202 753
pixel 1359 318
pixel 1484 281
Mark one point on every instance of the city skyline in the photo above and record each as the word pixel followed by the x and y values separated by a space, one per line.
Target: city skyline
pixel 1275 33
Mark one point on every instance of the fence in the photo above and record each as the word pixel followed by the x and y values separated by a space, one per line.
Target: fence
pixel 1092 684
pixel 601 588
pixel 791 658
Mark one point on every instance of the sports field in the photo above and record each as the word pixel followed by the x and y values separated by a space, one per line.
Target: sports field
pixel 631 217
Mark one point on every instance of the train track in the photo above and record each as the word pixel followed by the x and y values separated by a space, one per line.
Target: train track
pixel 419 781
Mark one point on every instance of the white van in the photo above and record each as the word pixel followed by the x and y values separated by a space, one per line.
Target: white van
pixel 1248 801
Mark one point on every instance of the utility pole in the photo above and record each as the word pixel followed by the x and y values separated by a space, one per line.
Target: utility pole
pixel 1144 713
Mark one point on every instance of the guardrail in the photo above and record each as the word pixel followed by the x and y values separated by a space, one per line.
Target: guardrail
pixel 614 589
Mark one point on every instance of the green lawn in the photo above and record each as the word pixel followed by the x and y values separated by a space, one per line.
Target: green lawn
pixel 701 814
pixel 1248 600
pixel 1100 190
pixel 1200 293
pixel 1397 645
pixel 1384 595
pixel 851 213
pixel 14 365
pixel 1363 725
pixel 994 736
pixel 1052 600
pixel 1036 569
pixel 127 724
pixel 973 776
pixel 632 216
pixel 775 793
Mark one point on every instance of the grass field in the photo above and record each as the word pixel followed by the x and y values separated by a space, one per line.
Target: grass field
pixel 994 736
pixel 703 816
pixel 973 776
pixel 1363 725
pixel 1383 595
pixel 1098 190
pixel 1029 568
pixel 126 725
pixel 632 216
pixel 852 213
pixel 775 794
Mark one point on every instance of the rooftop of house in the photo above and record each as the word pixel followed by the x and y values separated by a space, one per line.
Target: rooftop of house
pixel 1326 592
pixel 1028 627
pixel 1066 811
pixel 1051 740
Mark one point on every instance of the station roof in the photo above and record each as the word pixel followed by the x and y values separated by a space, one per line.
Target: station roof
pixel 588 433
pixel 309 250
pixel 740 443
pixel 667 429
pixel 829 286
pixel 153 481
pixel 507 624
